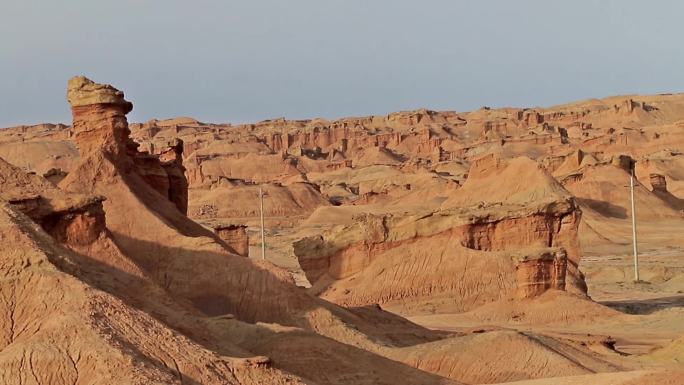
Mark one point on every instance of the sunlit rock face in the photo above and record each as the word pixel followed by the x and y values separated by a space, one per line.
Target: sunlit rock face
pixel 100 124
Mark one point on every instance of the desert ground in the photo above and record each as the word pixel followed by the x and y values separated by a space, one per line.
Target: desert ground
pixel 420 247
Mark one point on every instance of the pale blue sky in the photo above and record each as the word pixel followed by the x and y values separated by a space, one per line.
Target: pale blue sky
pixel 238 61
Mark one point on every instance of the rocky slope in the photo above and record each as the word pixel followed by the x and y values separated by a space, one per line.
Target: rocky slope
pixel 120 306
pixel 476 217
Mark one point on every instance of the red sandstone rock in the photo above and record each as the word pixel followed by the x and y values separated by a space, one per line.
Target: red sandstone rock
pixel 235 236
pixel 540 271
pixel 402 260
pixel 412 229
pixel 99 113
pixel 172 161
pixel 181 272
pixel 72 219
pixel 658 182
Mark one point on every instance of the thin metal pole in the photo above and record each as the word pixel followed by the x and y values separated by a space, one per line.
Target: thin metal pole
pixel 634 232
pixel 263 237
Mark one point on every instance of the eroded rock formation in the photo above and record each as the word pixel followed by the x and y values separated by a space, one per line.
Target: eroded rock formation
pixel 432 212
pixel 172 161
pixel 155 294
pixel 235 236
pixel 99 115
pixel 658 182
pixel 504 206
pixel 540 271
pixel 72 219
pixel 100 124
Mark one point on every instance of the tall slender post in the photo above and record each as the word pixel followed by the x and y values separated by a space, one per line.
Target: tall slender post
pixel 634 233
pixel 263 237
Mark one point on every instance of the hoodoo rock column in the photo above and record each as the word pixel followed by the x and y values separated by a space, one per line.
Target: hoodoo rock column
pixel 99 114
pixel 172 162
pixel 100 124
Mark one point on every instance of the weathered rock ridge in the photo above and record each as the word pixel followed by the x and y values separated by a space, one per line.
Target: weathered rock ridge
pixel 466 253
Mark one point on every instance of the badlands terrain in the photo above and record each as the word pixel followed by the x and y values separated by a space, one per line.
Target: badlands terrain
pixel 419 247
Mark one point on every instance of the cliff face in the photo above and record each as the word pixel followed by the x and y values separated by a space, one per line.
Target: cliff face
pixel 537 273
pixel 236 237
pixel 172 161
pixel 658 183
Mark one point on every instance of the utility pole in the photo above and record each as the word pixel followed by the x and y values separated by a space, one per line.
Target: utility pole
pixel 263 237
pixel 634 233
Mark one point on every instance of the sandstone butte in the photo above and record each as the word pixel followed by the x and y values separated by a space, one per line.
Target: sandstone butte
pixel 419 247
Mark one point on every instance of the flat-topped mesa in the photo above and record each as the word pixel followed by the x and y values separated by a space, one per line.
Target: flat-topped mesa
pixel 99 115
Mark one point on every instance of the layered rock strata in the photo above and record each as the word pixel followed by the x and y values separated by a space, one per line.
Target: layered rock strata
pixel 658 183
pixel 100 124
pixel 235 236
pixel 172 161
pixel 538 272
pixel 467 252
